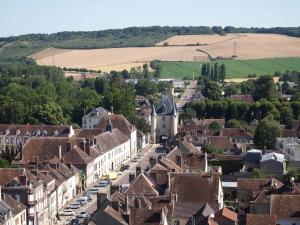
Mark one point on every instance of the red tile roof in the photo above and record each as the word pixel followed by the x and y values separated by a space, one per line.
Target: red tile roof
pixel 227 213
pixel 285 206
pixel 244 98
pixel 259 219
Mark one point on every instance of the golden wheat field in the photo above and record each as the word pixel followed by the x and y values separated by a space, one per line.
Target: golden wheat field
pixel 245 46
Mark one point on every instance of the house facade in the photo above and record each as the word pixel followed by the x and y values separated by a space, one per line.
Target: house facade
pixel 90 120
pixel 290 147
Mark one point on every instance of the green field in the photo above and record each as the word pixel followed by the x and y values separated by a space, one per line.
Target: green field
pixel 234 68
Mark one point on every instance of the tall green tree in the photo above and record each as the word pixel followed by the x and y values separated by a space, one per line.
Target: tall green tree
pixel 266 133
pixel 264 88
pixel 212 90
pixel 222 73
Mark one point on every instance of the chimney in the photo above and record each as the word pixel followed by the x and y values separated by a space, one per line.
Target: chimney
pixel 23 180
pixel 152 161
pixel 115 206
pixel 59 152
pixel 131 177
pixel 138 171
pixel 153 175
pixel 69 146
pixel 102 201
pixel 114 188
pixel 178 160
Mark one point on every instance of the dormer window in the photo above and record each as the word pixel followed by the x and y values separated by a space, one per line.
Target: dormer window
pixel 18 132
pixel 56 133
pixel 38 133
pixel 7 132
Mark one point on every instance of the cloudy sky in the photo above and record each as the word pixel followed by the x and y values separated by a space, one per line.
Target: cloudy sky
pixel 48 16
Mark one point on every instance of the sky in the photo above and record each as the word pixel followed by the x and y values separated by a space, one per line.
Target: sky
pixel 49 16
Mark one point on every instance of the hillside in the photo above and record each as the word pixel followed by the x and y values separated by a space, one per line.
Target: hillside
pixel 249 46
pixel 25 45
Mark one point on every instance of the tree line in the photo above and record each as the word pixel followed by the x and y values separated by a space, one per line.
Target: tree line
pixel 214 72
pixel 35 94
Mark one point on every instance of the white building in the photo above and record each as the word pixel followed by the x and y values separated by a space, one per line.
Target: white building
pixel 290 147
pixel 164 120
pixel 90 120
pixel 110 149
pixel 123 125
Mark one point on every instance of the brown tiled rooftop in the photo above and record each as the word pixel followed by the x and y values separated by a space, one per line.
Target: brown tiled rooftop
pixel 259 219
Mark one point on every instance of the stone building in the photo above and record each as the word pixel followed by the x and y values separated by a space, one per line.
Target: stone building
pixel 164 120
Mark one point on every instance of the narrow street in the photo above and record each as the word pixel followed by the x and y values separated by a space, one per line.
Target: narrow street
pixel 188 94
pixel 143 162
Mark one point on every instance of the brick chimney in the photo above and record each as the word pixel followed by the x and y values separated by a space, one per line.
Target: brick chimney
pixel 59 152
pixel 138 171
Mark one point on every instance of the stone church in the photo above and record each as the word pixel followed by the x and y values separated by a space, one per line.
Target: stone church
pixel 164 120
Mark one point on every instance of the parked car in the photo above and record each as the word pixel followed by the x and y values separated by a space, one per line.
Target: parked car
pixel 68 212
pixel 94 190
pixel 134 159
pixel 89 196
pixel 103 183
pixel 74 222
pixel 75 205
pixel 82 200
pixel 83 215
pixel 119 173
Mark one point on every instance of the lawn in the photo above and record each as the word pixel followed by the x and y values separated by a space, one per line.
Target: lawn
pixel 234 68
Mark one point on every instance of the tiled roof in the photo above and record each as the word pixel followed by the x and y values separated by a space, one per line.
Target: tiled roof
pixel 142 185
pixel 109 216
pixel 86 133
pixel 16 206
pixel 110 140
pixel 209 121
pixel 227 213
pixel 35 130
pixel 259 219
pixel 220 142
pixel 99 112
pixel 244 98
pixel 204 186
pixel 185 210
pixel 77 157
pixel 236 133
pixel 285 206
pixel 118 121
pixel 166 105
pixel 7 175
pixel 187 147
pixel 46 148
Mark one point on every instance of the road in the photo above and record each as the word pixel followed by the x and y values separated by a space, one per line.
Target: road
pixel 188 94
pixel 91 207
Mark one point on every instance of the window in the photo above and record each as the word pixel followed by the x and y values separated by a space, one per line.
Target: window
pixel 163 118
pixel 164 126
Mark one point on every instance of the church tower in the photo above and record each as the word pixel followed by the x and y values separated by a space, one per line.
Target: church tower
pixel 153 125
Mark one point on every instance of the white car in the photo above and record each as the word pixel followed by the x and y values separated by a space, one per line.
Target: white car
pixel 75 205
pixel 94 190
pixel 68 212
pixel 83 215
